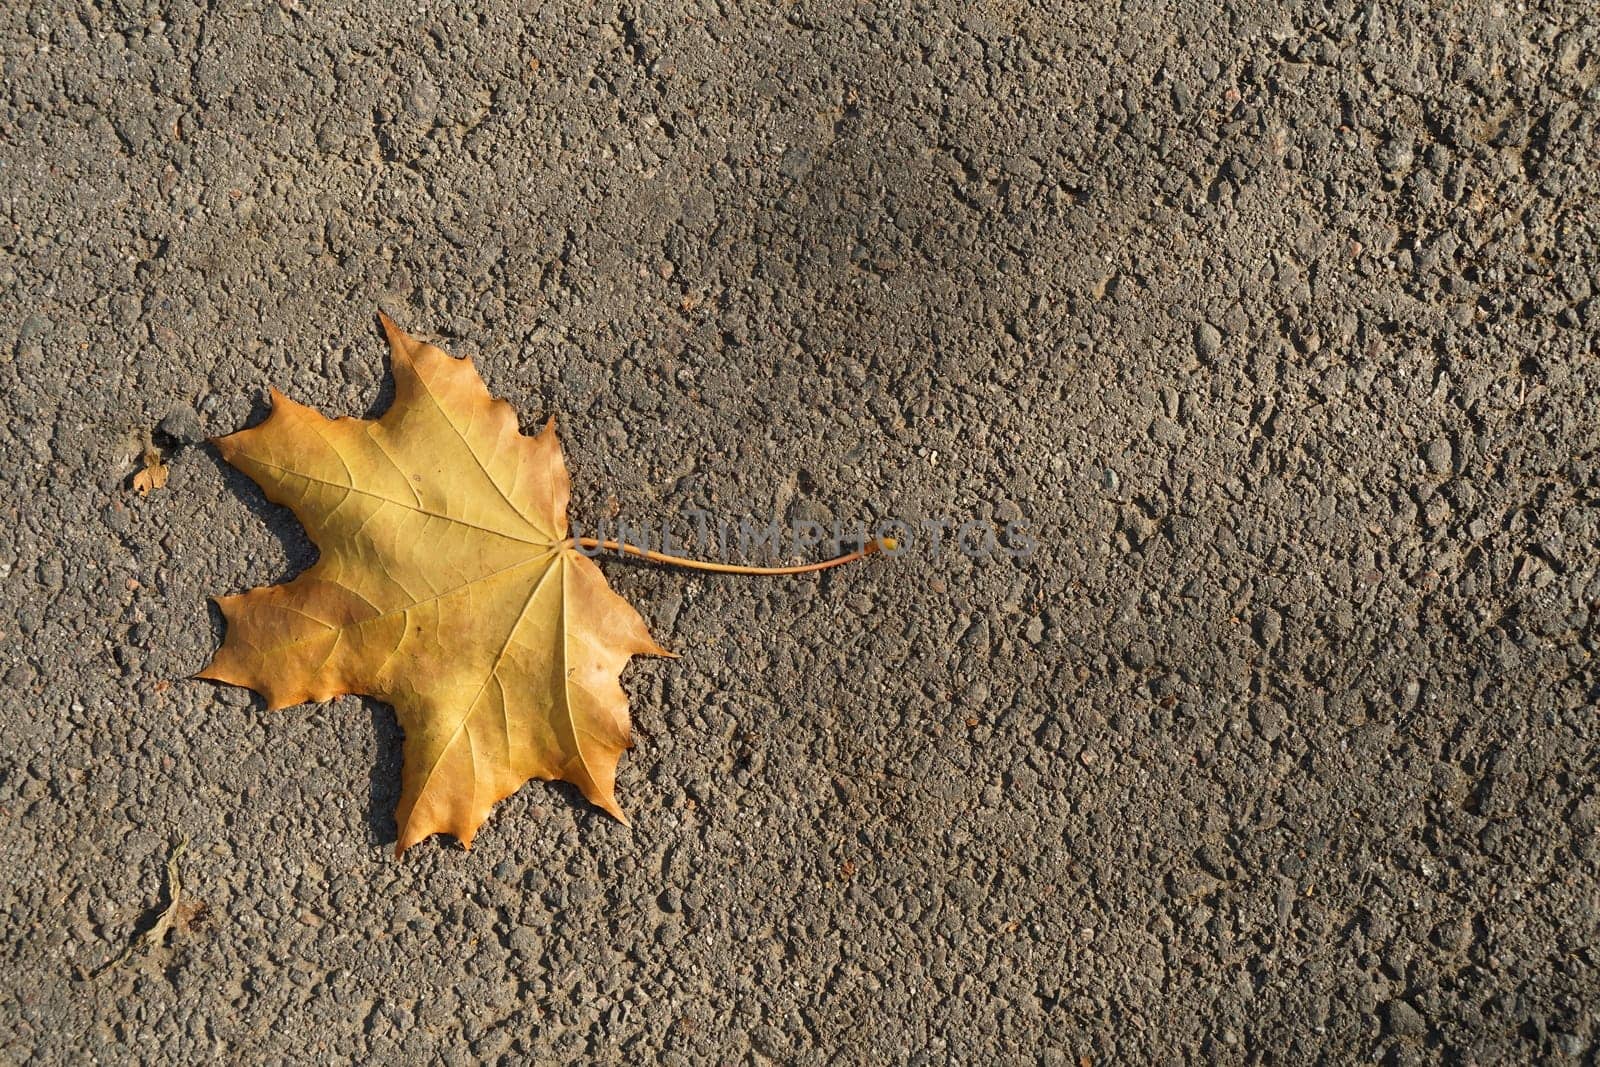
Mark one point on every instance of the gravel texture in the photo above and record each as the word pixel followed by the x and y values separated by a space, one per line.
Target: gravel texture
pixel 1277 324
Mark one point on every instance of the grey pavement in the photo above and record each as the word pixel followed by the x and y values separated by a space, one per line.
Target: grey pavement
pixel 1275 324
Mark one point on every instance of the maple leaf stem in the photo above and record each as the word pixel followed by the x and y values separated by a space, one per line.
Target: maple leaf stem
pixel 882 544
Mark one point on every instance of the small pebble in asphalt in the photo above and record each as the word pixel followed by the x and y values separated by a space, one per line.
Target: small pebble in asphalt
pixel 182 425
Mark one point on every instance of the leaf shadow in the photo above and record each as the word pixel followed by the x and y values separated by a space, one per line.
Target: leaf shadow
pixel 384 397
pixel 383 784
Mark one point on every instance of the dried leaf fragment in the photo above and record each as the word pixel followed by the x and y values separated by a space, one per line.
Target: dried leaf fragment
pixel 156 934
pixel 153 475
pixel 447 587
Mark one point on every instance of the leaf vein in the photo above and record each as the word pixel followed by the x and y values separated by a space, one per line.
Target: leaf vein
pixel 398 503
pixel 445 415
pixel 466 716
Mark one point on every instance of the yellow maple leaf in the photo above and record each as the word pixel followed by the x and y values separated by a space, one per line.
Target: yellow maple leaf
pixel 447 586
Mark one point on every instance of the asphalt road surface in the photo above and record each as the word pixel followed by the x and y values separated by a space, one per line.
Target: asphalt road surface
pixel 1274 326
